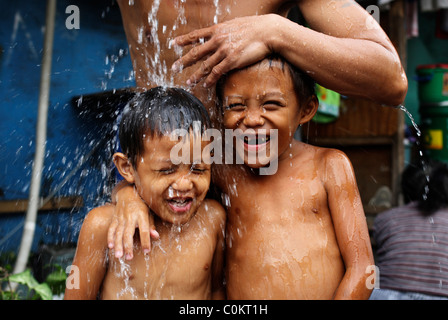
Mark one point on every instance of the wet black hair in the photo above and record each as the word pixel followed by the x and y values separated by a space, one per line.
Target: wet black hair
pixel 435 195
pixel 426 184
pixel 413 183
pixel 304 85
pixel 158 112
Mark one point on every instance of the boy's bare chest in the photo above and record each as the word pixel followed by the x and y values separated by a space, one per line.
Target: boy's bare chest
pixel 291 205
pixel 281 193
pixel 176 268
pixel 284 225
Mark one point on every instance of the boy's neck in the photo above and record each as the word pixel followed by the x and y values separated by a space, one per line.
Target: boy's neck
pixel 284 159
pixel 165 226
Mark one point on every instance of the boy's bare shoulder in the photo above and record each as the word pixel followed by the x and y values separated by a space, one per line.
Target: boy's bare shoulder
pixel 329 155
pixel 329 161
pixel 214 207
pixel 333 163
pixel 99 217
pixel 213 210
pixel 333 154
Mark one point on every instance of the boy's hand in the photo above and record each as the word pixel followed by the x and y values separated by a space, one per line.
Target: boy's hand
pixel 130 213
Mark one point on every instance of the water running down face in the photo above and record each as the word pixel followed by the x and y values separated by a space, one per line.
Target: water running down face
pixel 174 192
pixel 259 101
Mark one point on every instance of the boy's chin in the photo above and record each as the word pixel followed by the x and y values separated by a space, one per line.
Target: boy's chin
pixel 257 164
pixel 268 166
pixel 176 218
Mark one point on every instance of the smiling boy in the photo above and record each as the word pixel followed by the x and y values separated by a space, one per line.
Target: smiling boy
pixel 187 260
pixel 300 233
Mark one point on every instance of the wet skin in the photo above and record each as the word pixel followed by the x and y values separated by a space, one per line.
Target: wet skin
pixel 300 233
pixel 187 260
pixel 341 34
pixel 343 39
pixel 172 191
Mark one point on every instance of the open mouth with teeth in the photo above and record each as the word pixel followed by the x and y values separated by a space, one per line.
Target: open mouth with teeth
pixel 254 143
pixel 180 205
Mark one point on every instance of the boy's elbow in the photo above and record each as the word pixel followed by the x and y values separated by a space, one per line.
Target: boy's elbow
pixel 365 287
pixel 358 285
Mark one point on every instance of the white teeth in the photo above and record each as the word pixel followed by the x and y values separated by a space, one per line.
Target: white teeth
pixel 180 201
pixel 255 140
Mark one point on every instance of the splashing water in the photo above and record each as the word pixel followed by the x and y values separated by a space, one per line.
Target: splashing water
pixel 125 271
pixel 217 12
pixel 423 161
pixel 417 129
pixel 158 70
pixel 111 61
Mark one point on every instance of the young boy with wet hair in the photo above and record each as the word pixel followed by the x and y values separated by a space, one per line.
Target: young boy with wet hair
pixel 187 260
pixel 301 232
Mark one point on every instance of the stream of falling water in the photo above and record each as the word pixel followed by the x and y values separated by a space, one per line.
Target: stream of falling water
pixel 122 268
pixel 157 68
pixel 422 159
pixel 157 73
pixel 417 129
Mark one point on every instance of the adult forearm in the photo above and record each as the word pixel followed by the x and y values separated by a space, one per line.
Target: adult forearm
pixel 354 67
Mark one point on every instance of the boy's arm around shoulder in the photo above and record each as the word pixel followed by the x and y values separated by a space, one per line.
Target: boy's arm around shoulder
pixel 218 218
pixel 349 223
pixel 89 264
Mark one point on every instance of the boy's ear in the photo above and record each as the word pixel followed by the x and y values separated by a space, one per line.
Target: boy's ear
pixel 309 109
pixel 124 167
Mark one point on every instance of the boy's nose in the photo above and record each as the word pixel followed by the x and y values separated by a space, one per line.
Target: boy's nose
pixel 253 118
pixel 183 184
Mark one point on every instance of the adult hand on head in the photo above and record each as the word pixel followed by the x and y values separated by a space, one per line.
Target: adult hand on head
pixel 232 44
pixel 130 213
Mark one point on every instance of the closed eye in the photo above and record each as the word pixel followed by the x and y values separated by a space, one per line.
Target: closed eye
pixel 273 104
pixel 235 106
pixel 166 170
pixel 198 169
